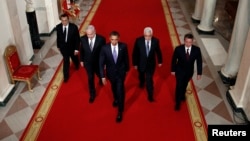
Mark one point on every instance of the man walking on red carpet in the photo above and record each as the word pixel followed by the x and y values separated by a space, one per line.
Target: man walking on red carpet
pixel 114 56
pixel 91 45
pixel 144 59
pixel 183 67
pixel 68 41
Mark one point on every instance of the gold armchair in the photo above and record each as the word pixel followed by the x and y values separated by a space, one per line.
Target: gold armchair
pixel 17 71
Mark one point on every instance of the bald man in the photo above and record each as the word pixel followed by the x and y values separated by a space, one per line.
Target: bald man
pixel 146 49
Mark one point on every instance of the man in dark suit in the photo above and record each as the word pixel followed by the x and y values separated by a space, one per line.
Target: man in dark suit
pixel 91 44
pixel 144 59
pixel 182 67
pixel 68 41
pixel 114 56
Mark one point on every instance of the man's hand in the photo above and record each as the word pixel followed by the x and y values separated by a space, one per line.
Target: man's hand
pixel 135 67
pixel 172 73
pixel 82 64
pixel 104 81
pixel 76 52
pixel 159 65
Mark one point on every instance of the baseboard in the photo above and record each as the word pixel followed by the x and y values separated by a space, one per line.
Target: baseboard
pixel 6 100
pixel 205 32
pixel 195 21
pixel 227 80
pixel 236 109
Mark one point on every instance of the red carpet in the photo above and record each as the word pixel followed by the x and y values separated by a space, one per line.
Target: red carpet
pixel 71 117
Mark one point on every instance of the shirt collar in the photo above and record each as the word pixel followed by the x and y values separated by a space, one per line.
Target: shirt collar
pixel 66 26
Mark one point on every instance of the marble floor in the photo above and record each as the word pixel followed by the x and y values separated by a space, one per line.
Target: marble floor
pixel 15 116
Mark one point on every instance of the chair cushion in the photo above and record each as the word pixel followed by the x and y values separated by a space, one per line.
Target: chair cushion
pixel 25 71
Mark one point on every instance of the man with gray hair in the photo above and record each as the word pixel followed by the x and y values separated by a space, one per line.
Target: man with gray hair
pixel 91 44
pixel 146 48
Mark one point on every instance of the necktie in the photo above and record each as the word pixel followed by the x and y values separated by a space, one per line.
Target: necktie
pixel 187 54
pixel 64 34
pixel 147 48
pixel 91 45
pixel 114 54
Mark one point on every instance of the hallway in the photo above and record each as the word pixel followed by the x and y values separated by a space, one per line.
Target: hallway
pixel 15 116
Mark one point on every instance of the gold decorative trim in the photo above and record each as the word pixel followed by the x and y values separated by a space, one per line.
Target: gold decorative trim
pixel 198 124
pixel 38 119
pixel 90 17
pixel 41 113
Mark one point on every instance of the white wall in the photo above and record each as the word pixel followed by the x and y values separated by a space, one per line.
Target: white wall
pixel 6 36
pixel 47 15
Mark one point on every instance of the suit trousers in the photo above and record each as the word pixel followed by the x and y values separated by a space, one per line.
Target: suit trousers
pixel 118 89
pixel 66 62
pixel 148 76
pixel 91 71
pixel 181 86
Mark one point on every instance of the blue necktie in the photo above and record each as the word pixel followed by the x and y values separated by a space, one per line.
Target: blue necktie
pixel 114 54
pixel 147 48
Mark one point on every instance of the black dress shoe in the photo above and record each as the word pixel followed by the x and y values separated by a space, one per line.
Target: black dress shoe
pixel 183 98
pixel 141 85
pixel 119 117
pixel 91 99
pixel 150 99
pixel 177 107
pixel 115 103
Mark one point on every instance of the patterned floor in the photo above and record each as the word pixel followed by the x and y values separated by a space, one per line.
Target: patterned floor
pixel 15 116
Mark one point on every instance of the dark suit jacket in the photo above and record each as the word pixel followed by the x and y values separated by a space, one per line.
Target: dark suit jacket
pixel 181 66
pixel 91 58
pixel 114 70
pixel 73 38
pixel 139 55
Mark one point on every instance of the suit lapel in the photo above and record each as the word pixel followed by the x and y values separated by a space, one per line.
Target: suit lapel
pixel 69 32
pixel 111 53
pixel 95 43
pixel 119 52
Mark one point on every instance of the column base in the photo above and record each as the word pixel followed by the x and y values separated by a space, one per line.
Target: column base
pixel 195 20
pixel 37 44
pixel 205 32
pixel 236 109
pixel 227 80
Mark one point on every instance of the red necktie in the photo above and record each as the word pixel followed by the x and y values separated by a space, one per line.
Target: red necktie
pixel 187 54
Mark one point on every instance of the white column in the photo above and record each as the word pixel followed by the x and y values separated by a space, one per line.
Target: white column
pixel 240 92
pixel 196 16
pixel 206 24
pixel 238 39
pixel 20 28
pixel 7 38
pixel 47 15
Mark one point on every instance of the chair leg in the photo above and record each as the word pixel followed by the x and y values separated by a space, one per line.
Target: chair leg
pixel 38 75
pixel 29 86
